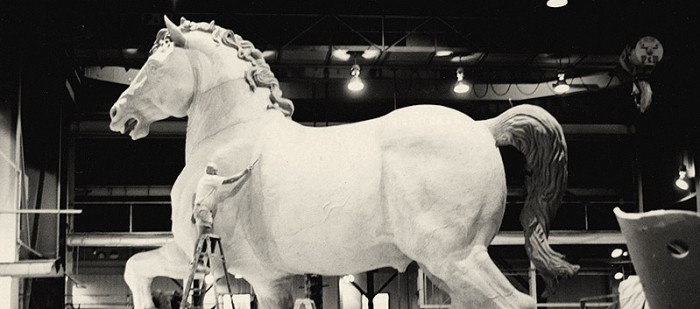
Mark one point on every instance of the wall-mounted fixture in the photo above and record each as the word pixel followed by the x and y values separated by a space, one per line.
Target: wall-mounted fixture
pixel 370 53
pixel 443 53
pixel 341 54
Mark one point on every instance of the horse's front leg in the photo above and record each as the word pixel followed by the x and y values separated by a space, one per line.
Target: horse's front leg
pixel 141 268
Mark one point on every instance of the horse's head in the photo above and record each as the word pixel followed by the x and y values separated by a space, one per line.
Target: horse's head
pixel 185 61
pixel 162 88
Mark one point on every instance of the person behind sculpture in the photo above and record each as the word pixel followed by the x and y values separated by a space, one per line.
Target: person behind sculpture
pixel 422 183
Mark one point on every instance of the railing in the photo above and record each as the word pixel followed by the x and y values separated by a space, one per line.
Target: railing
pixel 123 219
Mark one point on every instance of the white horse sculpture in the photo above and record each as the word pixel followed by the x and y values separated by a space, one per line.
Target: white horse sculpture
pixel 423 183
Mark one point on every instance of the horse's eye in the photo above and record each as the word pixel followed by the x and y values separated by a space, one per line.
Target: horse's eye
pixel 152 67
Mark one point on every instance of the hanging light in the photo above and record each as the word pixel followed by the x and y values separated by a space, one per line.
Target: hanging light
pixel 355 83
pixel 460 86
pixel 682 181
pixel 557 3
pixel 561 86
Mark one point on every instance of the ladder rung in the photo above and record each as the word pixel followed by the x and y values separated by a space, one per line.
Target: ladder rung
pixel 209 251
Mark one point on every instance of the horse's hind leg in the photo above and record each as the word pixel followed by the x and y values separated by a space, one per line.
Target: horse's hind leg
pixel 273 294
pixel 474 281
pixel 141 268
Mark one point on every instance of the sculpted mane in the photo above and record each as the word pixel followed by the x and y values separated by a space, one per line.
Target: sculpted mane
pixel 259 76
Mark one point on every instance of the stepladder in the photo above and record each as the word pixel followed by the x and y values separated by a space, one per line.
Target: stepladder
pixel 209 262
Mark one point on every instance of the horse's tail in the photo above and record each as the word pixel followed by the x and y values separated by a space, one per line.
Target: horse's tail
pixel 536 133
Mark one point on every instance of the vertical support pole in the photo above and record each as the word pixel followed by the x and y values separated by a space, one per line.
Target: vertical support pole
pixel 640 190
pixel 532 276
pixel 692 168
pixel 313 288
pixel 10 175
pixel 636 139
pixel 638 171
pixel 131 217
pixel 70 199
pixel 59 181
pixel 370 289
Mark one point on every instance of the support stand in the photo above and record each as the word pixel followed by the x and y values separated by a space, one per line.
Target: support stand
pixel 208 251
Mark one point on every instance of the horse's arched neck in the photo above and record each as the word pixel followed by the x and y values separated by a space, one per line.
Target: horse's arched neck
pixel 221 108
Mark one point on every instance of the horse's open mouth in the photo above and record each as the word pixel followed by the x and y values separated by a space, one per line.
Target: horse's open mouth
pixel 129 125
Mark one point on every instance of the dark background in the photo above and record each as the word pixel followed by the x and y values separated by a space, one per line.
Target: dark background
pixel 39 42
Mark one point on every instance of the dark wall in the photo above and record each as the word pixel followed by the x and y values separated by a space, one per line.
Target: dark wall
pixel 32 56
pixel 670 127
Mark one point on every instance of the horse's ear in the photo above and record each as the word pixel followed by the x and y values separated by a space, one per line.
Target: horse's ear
pixel 183 20
pixel 176 34
pixel 211 24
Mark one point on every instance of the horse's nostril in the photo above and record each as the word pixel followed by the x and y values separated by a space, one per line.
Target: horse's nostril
pixel 130 125
pixel 113 112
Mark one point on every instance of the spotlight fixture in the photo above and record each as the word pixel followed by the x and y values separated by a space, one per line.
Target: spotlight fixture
pixel 465 57
pixel 682 180
pixel 131 51
pixel 561 86
pixel 443 53
pixel 355 83
pixel 616 253
pixel 557 3
pixel 460 86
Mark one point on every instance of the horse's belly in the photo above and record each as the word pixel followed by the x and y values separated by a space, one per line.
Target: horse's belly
pixel 326 258
pixel 337 237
